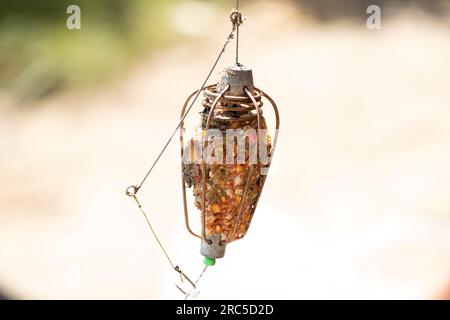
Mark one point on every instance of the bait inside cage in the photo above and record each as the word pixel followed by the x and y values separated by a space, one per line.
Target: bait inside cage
pixel 227 159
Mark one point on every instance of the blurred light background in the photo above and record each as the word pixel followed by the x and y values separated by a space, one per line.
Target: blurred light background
pixel 357 204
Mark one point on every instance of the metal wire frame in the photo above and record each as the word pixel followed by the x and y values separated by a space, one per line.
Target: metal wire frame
pixel 251 102
pixel 183 180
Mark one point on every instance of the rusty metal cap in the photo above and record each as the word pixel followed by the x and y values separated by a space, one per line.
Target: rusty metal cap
pixel 237 77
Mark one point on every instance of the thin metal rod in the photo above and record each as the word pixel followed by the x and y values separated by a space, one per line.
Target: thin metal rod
pixel 237 36
pixel 183 180
pixel 182 291
pixel 277 120
pixel 230 36
pixel 153 231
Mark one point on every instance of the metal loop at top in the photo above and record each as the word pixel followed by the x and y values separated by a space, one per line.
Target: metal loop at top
pixel 236 18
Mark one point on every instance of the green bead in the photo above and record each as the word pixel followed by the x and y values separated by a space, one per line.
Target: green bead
pixel 209 262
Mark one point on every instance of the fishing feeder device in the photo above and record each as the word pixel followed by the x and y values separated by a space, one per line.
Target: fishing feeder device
pixel 226 190
pixel 224 160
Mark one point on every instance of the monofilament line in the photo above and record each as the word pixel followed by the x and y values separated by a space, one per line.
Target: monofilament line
pixel 153 231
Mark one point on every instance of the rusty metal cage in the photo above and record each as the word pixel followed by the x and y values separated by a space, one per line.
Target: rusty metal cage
pixel 227 193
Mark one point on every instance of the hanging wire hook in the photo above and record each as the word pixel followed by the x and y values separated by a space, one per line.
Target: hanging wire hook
pixel 237 19
pixel 177 269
